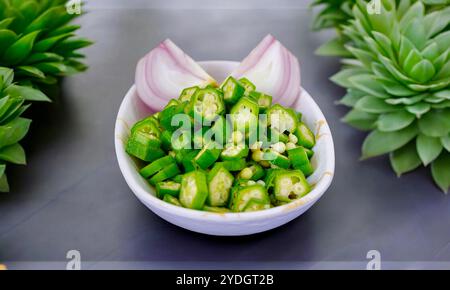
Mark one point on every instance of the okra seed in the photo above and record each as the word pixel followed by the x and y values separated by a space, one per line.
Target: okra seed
pixel 290 146
pixel 260 182
pixel 246 173
pixel 264 163
pixel 257 155
pixel 256 146
pixel 251 182
pixel 293 138
pixel 280 147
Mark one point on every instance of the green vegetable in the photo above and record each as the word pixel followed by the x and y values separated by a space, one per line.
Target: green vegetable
pixel 242 181
pixel 187 94
pixel 194 190
pixel 172 200
pixel 156 166
pixel 248 85
pixel 233 90
pixel 220 181
pixel 290 185
pixel 247 195
pixel 168 187
pixel 398 81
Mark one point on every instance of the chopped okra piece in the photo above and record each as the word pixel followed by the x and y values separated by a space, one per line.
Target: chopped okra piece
pixel 144 147
pixel 305 137
pixel 245 195
pixel 234 152
pixel 171 103
pixel 309 152
pixel 244 114
pixel 207 156
pixel 215 209
pixel 166 140
pixel 206 103
pixel 164 174
pixel 276 159
pixel 220 182
pixel 299 159
pixel 177 178
pixel 248 85
pixel 275 136
pixel 235 165
pixel 255 205
pixel 189 161
pixel 233 90
pixel 264 101
pixel 187 94
pixel 172 200
pixel 282 119
pixel 168 187
pixel 194 190
pixel 290 185
pixel 219 130
pixel 156 166
pixel 167 115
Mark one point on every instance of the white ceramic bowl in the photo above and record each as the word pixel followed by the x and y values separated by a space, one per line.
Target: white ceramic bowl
pixel 229 224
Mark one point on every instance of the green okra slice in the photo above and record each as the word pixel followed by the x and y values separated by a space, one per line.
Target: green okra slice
pixel 299 159
pixel 156 166
pixel 220 181
pixel 245 195
pixel 146 148
pixel 256 205
pixel 216 209
pixel 276 159
pixel 244 114
pixel 305 137
pixel 309 152
pixel 206 103
pixel 177 179
pixel 220 130
pixel 166 140
pixel 144 141
pixel 187 94
pixel 248 85
pixel 172 200
pixel 207 156
pixel 189 161
pixel 168 187
pixel 167 115
pixel 233 90
pixel 233 152
pixel 172 102
pixel 275 136
pixel 290 185
pixel 194 190
pixel 164 174
pixel 282 119
pixel 264 101
pixel 235 165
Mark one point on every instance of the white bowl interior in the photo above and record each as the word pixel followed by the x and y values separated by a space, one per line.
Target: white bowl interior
pixel 133 110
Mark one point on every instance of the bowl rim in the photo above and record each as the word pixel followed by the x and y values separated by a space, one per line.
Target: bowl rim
pixel 149 199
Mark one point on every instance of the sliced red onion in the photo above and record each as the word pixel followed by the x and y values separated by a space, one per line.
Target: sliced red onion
pixel 164 72
pixel 274 70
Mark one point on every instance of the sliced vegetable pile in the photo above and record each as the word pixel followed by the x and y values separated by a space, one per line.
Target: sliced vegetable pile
pixel 238 152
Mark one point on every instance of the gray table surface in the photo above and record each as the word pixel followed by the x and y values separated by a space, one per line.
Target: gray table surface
pixel 73 196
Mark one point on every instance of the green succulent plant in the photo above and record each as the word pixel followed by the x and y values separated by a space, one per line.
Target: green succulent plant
pixel 13 127
pixel 38 42
pixel 337 13
pixel 398 84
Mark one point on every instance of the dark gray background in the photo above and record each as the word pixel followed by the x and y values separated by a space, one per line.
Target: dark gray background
pixel 73 196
